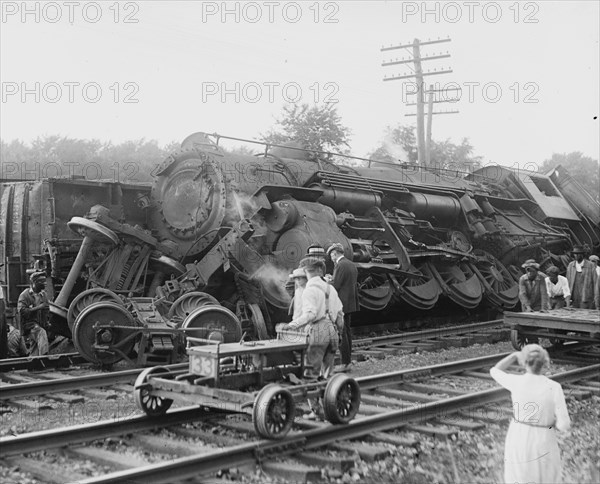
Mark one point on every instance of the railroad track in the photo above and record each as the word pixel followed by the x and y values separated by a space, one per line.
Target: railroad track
pixel 17 385
pixel 430 339
pixel 399 400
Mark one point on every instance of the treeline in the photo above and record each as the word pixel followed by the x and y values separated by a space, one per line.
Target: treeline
pixel 57 156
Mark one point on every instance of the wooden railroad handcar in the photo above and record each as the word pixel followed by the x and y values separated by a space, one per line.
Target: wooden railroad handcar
pixel 567 324
pixel 248 377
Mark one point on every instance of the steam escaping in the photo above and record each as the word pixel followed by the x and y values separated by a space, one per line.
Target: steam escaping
pixel 244 206
pixel 273 280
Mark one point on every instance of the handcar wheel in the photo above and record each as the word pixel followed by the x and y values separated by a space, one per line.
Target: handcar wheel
pixel 341 400
pixel 152 405
pixel 518 340
pixel 273 412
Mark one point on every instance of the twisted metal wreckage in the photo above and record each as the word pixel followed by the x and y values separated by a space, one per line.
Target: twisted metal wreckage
pixel 206 248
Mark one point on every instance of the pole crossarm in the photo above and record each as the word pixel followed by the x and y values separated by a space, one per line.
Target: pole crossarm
pixel 407 61
pixel 408 76
pixel 404 46
pixel 435 112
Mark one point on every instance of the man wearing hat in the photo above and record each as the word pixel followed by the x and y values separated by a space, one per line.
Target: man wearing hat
pixel 559 294
pixel 299 279
pixel 33 311
pixel 344 280
pixel 594 259
pixel 533 292
pixel 582 276
pixel 320 307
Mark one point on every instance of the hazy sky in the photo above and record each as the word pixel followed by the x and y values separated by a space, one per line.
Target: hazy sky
pixel 529 70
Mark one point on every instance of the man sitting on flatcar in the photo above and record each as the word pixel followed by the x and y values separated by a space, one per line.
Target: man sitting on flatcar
pixel 559 295
pixel 533 292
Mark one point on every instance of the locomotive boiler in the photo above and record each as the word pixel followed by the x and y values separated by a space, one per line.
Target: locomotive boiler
pixel 207 248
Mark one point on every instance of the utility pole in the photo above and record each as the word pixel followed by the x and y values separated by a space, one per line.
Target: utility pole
pixel 423 146
pixel 429 119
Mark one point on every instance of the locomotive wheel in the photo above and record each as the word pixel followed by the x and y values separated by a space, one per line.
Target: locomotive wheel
pixel 85 336
pixel 214 323
pixel 258 321
pixel 459 282
pixel 500 287
pixel 341 399
pixel 518 340
pixel 184 305
pixel 374 290
pixel 421 292
pixel 273 412
pixel 89 228
pixel 151 405
pixel 87 298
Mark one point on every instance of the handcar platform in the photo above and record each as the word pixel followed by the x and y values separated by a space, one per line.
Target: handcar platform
pixel 248 377
pixel 559 325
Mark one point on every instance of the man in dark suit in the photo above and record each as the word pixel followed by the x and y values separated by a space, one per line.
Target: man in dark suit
pixel 344 280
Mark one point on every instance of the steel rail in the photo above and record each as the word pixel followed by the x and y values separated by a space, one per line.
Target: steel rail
pixel 42 362
pixel 195 466
pixel 20 390
pixel 430 333
pixel 41 440
pixel 35 441
pixel 52 438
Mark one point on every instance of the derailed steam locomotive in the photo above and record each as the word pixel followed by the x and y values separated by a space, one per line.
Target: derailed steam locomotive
pixel 207 248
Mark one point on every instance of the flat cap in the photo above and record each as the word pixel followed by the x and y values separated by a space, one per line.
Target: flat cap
pixel 37 275
pixel 552 270
pixel 297 273
pixel 337 246
pixel 530 263
pixel 594 258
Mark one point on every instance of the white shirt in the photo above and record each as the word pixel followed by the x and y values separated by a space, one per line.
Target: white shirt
pixel 561 288
pixel 579 266
pixel 313 302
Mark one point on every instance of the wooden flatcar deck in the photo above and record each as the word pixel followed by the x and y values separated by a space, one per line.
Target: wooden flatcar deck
pixel 580 320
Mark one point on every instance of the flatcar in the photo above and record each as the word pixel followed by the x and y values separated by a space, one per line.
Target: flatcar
pixel 559 326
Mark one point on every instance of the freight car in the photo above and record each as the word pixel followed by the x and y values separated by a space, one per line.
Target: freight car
pixel 221 231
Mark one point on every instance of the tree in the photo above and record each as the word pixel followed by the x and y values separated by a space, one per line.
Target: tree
pixel 56 156
pixel 582 168
pixel 318 128
pixel 400 145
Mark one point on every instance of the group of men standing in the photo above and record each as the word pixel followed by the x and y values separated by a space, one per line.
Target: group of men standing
pixel 580 288
pixel 321 302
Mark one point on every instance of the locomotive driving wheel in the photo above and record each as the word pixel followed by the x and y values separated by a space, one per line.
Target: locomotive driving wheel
pixel 151 405
pixel 86 337
pixel 500 287
pixel 273 412
pixel 184 305
pixel 458 282
pixel 341 400
pixel 420 291
pixel 374 290
pixel 214 323
pixel 87 298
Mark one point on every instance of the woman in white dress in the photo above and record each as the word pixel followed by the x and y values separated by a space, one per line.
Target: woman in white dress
pixel 531 453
